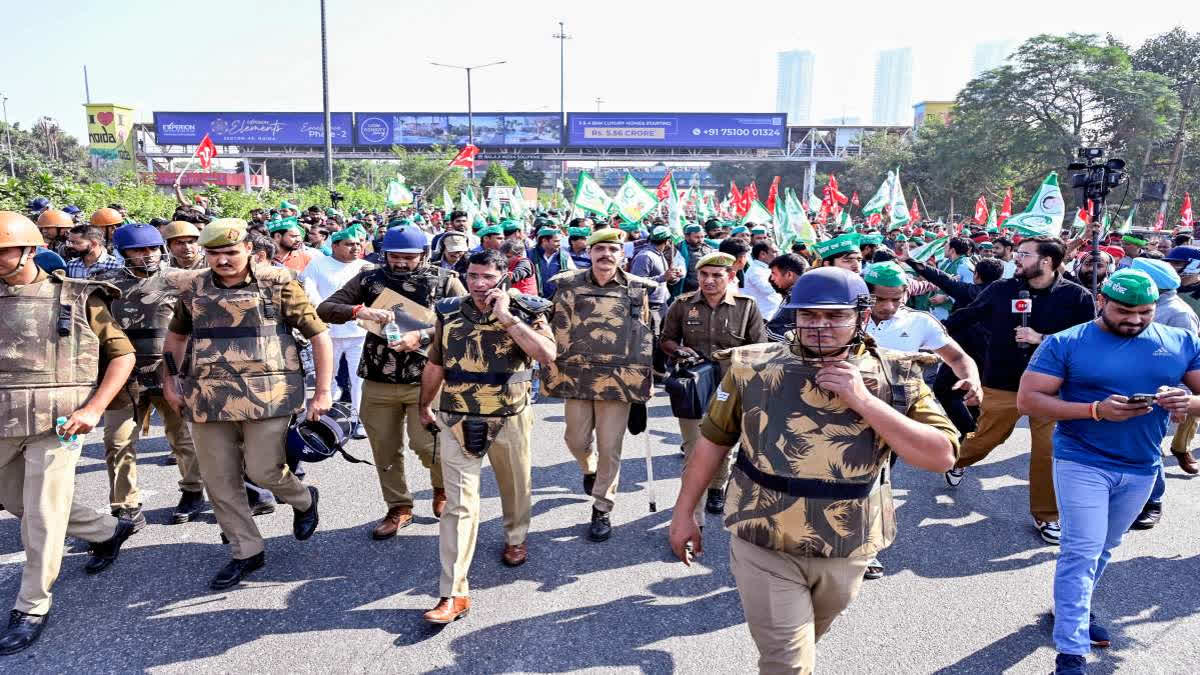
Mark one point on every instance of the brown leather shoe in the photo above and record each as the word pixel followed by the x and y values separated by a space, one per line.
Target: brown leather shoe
pixel 397 518
pixel 514 555
pixel 1187 462
pixel 439 501
pixel 449 609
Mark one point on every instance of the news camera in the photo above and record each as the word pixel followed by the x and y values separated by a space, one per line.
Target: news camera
pixel 1096 177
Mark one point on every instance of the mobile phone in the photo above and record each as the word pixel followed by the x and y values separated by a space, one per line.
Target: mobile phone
pixel 1146 399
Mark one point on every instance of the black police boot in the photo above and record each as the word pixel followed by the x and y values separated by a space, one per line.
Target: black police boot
pixel 715 502
pixel 23 630
pixel 1149 517
pixel 191 504
pixel 589 482
pixel 259 506
pixel 105 553
pixel 304 523
pixel 236 570
pixel 170 459
pixel 133 514
pixel 601 528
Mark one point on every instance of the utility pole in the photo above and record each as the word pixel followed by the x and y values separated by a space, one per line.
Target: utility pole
pixel 562 91
pixel 87 91
pixel 12 171
pixel 470 110
pixel 325 94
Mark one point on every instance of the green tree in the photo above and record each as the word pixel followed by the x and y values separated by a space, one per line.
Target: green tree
pixel 497 175
pixel 526 176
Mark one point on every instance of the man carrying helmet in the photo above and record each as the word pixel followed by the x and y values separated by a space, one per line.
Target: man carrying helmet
pixel 143 311
pixel 810 497
pixel 55 334
pixel 242 382
pixel 391 371
pixel 482 361
pixel 181 237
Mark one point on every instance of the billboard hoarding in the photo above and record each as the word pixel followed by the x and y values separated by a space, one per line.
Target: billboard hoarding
pixel 491 129
pixel 110 133
pixel 251 128
pixel 677 130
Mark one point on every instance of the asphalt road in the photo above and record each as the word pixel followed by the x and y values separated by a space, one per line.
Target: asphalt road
pixel 968 585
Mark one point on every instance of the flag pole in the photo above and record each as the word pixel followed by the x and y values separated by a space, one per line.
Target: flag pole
pixel 924 208
pixel 191 161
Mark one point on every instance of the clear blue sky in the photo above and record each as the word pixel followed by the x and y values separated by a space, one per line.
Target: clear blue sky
pixel 637 56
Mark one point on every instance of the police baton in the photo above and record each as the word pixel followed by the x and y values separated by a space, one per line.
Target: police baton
pixel 638 424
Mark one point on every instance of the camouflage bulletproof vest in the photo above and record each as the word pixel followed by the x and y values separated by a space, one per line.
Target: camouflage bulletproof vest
pixel 486 372
pixel 49 356
pixel 242 362
pixel 603 339
pixel 794 430
pixel 424 287
pixel 143 311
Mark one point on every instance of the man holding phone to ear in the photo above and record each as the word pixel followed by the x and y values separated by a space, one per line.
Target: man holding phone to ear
pixel 1113 385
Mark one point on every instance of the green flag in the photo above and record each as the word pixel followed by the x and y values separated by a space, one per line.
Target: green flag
pixel 1044 214
pixel 517 203
pixel 590 197
pixel 899 205
pixel 757 213
pixel 634 201
pixel 398 194
pixel 798 226
pixel 675 219
pixel 991 221
pixel 447 201
pixel 935 249
pixel 881 198
pixel 1127 228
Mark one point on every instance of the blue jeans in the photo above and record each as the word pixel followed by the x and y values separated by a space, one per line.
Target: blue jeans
pixel 1095 508
pixel 1160 486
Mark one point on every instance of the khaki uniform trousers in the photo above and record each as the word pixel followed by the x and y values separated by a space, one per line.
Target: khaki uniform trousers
pixel 790 601
pixel 690 431
pixel 387 410
pixel 608 419
pixel 1184 433
pixel 997 420
pixel 37 485
pixel 121 433
pixel 254 448
pixel 459 527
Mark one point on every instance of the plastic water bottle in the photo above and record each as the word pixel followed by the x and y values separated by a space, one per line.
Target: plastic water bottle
pixel 72 441
pixel 391 332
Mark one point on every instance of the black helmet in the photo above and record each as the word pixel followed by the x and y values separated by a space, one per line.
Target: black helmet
pixel 829 288
pixel 316 441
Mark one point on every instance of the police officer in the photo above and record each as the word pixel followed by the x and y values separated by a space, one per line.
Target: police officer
pixel 482 359
pixel 810 500
pixel 181 237
pixel 391 372
pixel 601 321
pixel 107 219
pixel 54 334
pixel 700 323
pixel 242 382
pixel 143 311
pixel 54 225
pixel 694 248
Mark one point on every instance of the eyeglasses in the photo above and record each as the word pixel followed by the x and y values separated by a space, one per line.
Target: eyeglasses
pixel 1025 254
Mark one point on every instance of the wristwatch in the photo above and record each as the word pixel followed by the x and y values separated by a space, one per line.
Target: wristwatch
pixel 426 339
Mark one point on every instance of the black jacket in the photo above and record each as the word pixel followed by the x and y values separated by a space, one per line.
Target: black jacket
pixel 974 338
pixel 1056 308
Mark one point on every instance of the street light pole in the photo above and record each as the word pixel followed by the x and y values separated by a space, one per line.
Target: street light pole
pixel 325 95
pixel 470 110
pixel 562 92
pixel 12 171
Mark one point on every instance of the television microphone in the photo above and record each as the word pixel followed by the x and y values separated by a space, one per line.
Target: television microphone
pixel 1023 305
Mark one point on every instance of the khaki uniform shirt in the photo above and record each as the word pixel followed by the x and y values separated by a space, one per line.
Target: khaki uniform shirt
pixel 297 311
pixel 735 322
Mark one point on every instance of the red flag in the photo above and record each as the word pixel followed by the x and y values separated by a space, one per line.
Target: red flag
pixel 750 194
pixel 465 157
pixel 206 151
pixel 1185 211
pixel 1158 222
pixel 773 194
pixel 832 193
pixel 874 219
pixel 736 196
pixel 664 187
pixel 1005 208
pixel 1084 215
pixel 981 211
pixel 854 199
pixel 914 212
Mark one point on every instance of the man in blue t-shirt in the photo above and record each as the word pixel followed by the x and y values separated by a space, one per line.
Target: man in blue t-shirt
pixel 1106 444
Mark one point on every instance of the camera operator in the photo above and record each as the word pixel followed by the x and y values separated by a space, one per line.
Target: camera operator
pixel 1056 304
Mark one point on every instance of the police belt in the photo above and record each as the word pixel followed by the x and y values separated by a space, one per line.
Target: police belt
pixel 813 488
pixel 496 379
pixel 233 332
pixel 145 333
